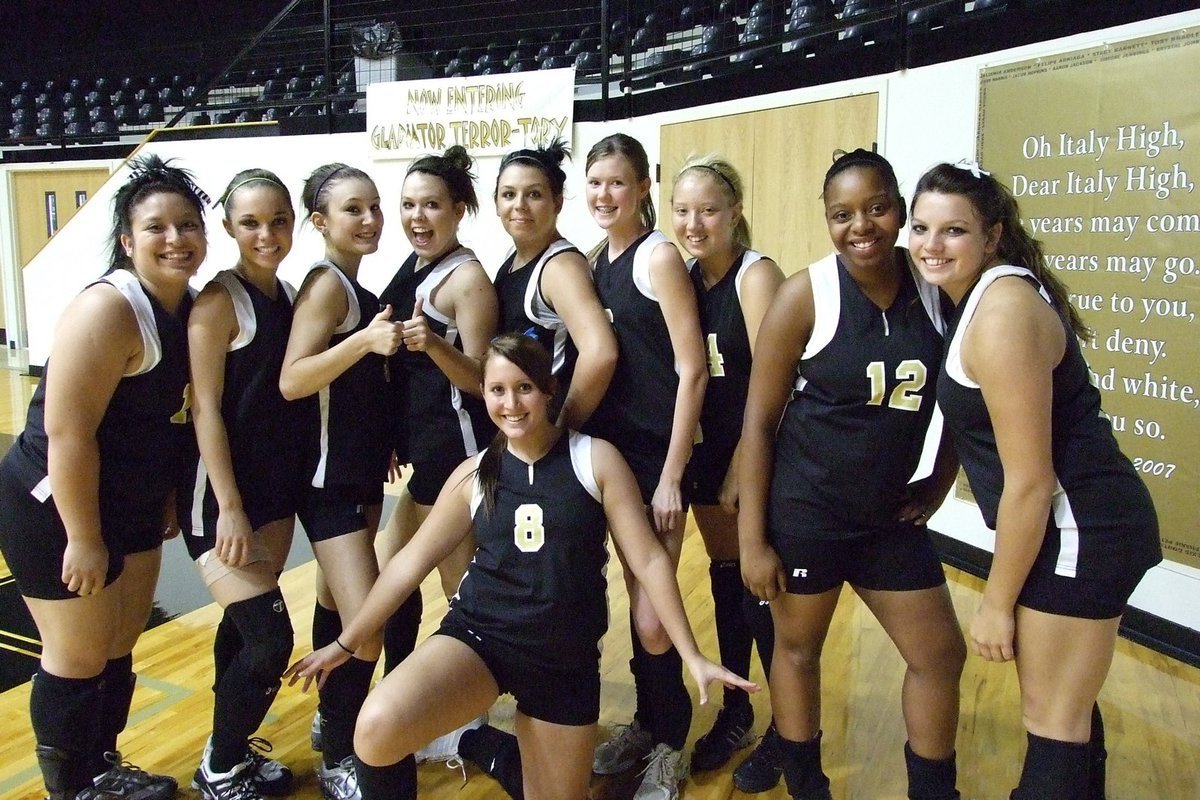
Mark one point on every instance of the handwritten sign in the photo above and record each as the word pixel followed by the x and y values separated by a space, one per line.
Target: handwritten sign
pixel 488 115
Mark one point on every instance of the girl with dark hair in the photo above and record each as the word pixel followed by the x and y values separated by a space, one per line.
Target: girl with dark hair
pixel 843 366
pixel 249 439
pixel 444 301
pixel 89 490
pixel 650 413
pixel 545 286
pixel 735 285
pixel 337 349
pixel 1075 526
pixel 531 609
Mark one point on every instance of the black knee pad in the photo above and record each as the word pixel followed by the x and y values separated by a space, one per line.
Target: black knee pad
pixel 266 632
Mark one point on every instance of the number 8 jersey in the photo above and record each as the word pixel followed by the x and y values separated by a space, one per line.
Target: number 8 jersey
pixel 852 434
pixel 536 582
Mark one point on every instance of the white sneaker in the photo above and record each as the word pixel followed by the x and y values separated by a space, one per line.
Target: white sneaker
pixel 445 747
pixel 270 777
pixel 627 745
pixel 233 785
pixel 339 782
pixel 665 770
pixel 314 733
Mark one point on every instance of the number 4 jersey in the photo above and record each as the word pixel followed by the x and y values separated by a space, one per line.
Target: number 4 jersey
pixel 853 432
pixel 536 582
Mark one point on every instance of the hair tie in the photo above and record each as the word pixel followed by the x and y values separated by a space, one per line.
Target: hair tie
pixel 225 197
pixel 159 172
pixel 719 174
pixel 971 166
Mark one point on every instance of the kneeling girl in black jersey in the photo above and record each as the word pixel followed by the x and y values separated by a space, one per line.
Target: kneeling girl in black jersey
pixel 735 285
pixel 339 341
pixel 88 490
pixel 840 400
pixel 531 610
pixel 249 439
pixel 1075 526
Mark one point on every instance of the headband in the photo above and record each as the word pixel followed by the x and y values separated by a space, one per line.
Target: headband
pixel 719 174
pixel 229 192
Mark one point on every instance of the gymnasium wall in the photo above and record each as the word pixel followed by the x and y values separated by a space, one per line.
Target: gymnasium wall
pixel 925 115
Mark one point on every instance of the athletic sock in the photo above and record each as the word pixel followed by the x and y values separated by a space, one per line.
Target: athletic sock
pixel 251 680
pixel 643 710
pixel 327 626
pixel 394 782
pixel 801 762
pixel 496 753
pixel 669 698
pixel 116 695
pixel 762 627
pixel 1099 757
pixel 341 698
pixel 62 714
pixel 734 638
pixel 400 632
pixel 931 779
pixel 1053 768
pixel 226 645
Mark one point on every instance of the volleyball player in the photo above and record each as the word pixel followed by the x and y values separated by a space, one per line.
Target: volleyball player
pixel 825 497
pixel 650 412
pixel 1075 526
pixel 90 488
pixel 337 348
pixel 531 610
pixel 735 285
pixel 249 439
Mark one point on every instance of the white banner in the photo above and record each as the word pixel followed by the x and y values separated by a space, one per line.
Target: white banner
pixel 489 115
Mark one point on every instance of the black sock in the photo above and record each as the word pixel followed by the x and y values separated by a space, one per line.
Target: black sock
pixel 643 709
pixel 116 695
pixel 669 698
pixel 930 779
pixel 251 679
pixel 400 632
pixel 1099 756
pixel 341 698
pixel 496 753
pixel 394 782
pixel 62 714
pixel 226 645
pixel 734 639
pixel 758 616
pixel 801 762
pixel 1053 769
pixel 327 625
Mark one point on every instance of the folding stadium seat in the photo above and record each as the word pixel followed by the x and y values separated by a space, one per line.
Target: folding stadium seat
pixel 45 114
pixel 49 130
pixel 646 37
pixel 170 95
pixel 805 15
pixel 588 61
pixel 713 39
pixel 76 129
pixel 150 112
pixel 556 62
pixel 273 89
pixel 869 31
pixel 103 85
pixel 48 100
pixel 245 116
pixel 74 114
pixel 104 126
pixel 297 85
pixel 933 16
pixel 103 114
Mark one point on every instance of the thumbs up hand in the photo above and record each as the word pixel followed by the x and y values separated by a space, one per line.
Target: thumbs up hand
pixel 383 335
pixel 417 334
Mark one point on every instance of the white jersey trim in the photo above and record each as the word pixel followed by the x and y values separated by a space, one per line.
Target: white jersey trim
pixel 641 263
pixel 580 446
pixel 243 308
pixel 353 312
pixel 954 367
pixel 434 280
pixel 127 283
pixel 476 488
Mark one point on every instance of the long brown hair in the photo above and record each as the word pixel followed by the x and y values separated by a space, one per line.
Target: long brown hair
pixel 994 203
pixel 531 358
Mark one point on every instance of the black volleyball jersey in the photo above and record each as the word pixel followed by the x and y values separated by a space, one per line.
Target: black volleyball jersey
pixel 639 407
pixel 537 580
pixel 852 434
pixel 727 350
pixel 431 417
pixel 352 447
pixel 523 309
pixel 266 433
pixel 145 438
pixel 1102 521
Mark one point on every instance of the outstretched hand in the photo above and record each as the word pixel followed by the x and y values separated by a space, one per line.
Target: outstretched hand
pixel 705 672
pixel 316 666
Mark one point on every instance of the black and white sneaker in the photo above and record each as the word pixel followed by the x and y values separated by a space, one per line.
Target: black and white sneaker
pixel 732 730
pixel 237 784
pixel 133 783
pixel 270 777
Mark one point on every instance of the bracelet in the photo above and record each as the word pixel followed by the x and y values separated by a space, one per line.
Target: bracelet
pixel 347 649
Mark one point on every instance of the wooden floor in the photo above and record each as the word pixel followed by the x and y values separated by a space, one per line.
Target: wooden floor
pixel 1151 703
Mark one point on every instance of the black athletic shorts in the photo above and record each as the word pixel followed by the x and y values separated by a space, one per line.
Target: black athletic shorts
pixel 430 475
pixel 897 559
pixel 337 510
pixel 706 471
pixel 259 515
pixel 563 697
pixel 1084 597
pixel 34 540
